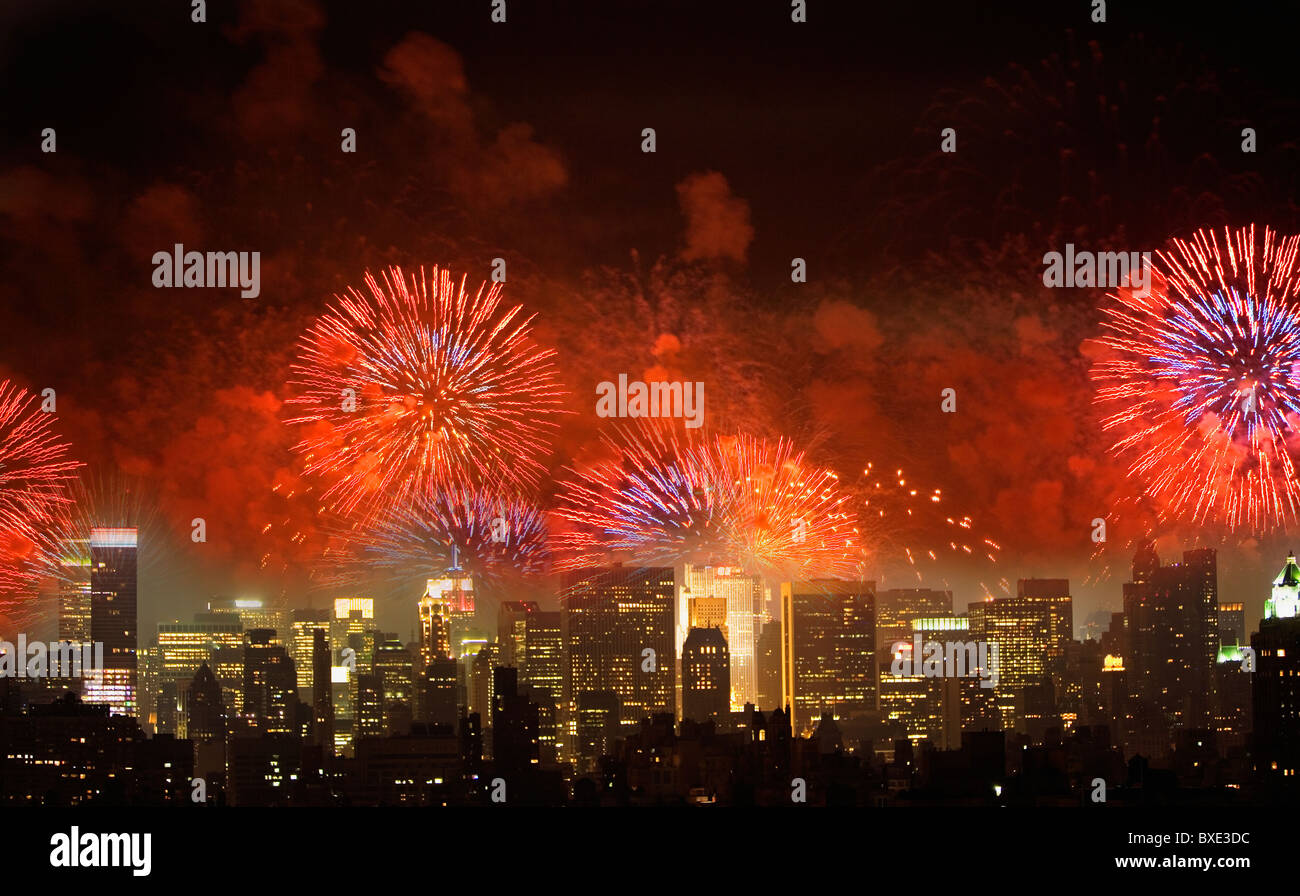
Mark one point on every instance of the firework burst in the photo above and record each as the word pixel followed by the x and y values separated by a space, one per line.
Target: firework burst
pixel 1201 383
pixel 496 540
pixel 421 387
pixel 738 500
pixel 36 476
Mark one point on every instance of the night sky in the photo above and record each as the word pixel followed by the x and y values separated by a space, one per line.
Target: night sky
pixel 523 141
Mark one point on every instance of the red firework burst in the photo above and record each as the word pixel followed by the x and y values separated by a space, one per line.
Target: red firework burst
pixel 36 477
pixel 421 387
pixel 1201 381
pixel 749 502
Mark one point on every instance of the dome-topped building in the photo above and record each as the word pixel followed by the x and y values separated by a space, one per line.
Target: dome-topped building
pixel 1285 602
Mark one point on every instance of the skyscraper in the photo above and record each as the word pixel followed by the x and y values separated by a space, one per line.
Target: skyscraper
pixel 512 628
pixel 270 684
pixel 1172 634
pixel 446 614
pixel 75 592
pixel 182 648
pixel 302 644
pixel 1031 630
pixel 1232 624
pixel 897 607
pixel 322 691
pixel 1276 682
pixel 828 649
pixel 710 588
pixel 706 675
pixel 618 631
pixel 113 619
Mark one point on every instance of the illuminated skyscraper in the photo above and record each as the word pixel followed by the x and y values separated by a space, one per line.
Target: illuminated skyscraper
pixel 1031 630
pixel 113 619
pixel 1284 603
pixel 742 595
pixel 446 615
pixel 828 649
pixel 897 607
pixel 74 592
pixel 542 663
pixel 182 648
pixel 302 643
pixel 253 613
pixel 618 631
pixel 352 616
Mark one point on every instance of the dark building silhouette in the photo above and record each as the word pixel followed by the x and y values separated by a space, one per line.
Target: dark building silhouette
pixel 706 675
pixel 206 719
pixel 1172 639
pixel 439 686
pixel 769 665
pixel 1276 698
pixel 322 692
pixel 270 684
pixel 514 724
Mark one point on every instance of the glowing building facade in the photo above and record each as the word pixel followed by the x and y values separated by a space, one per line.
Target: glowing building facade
pixel 705 592
pixel 113 619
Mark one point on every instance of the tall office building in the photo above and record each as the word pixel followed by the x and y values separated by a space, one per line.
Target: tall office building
pixel 542 662
pixel 897 607
pixel 1032 631
pixel 516 743
pixel 709 588
pixel 74 592
pixel 351 616
pixel 113 619
pixel 182 648
pixel 302 644
pixel 706 675
pixel 322 695
pixel 205 716
pixel 512 630
pixel 253 613
pixel 769 666
pixel 270 684
pixel 828 649
pixel 446 614
pixel 1172 636
pixel 618 631
pixel 1232 624
pixel 395 667
pixel 1276 682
